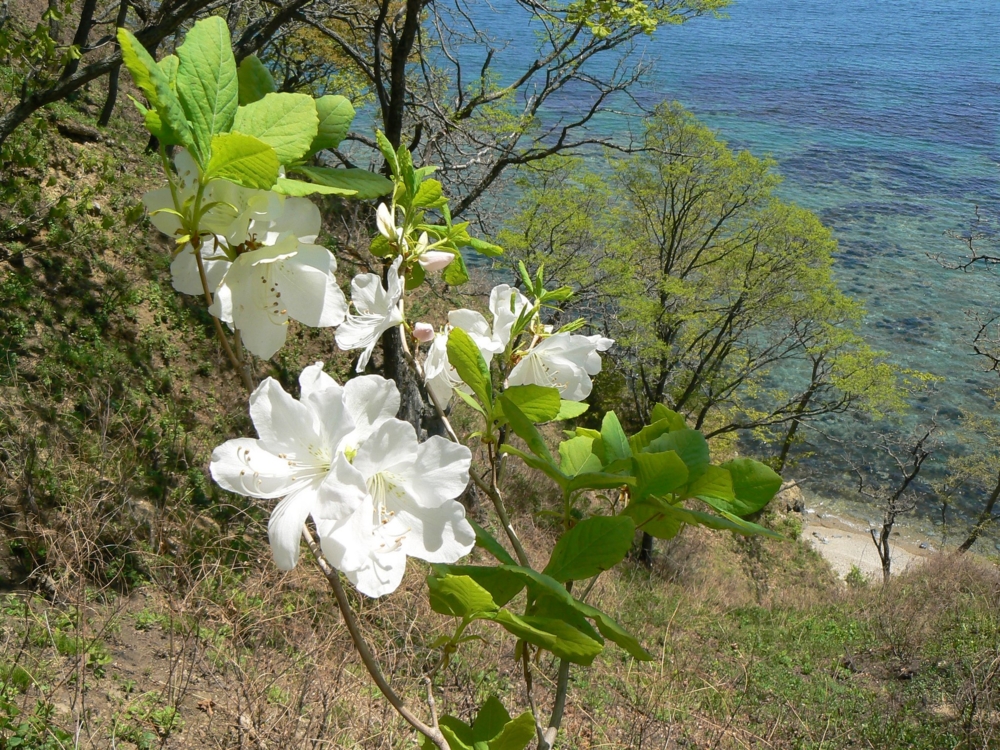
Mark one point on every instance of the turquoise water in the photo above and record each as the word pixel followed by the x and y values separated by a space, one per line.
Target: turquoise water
pixel 882 116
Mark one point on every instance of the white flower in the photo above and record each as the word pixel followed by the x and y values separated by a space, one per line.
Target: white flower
pixel 298 442
pixel 404 492
pixel 378 311
pixel 439 376
pixel 506 304
pixel 431 260
pixel 278 274
pixel 386 224
pixel 564 361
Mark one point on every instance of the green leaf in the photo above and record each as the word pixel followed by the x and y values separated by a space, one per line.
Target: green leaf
pixel 456 732
pixel 207 83
pixel 615 633
pixel 286 186
pixel 662 412
pixel 455 273
pixel 388 152
pixel 502 581
pixel 166 120
pixel 168 66
pixel 429 195
pixel 286 122
pixel 649 519
pixel 485 248
pixel 537 403
pixel 244 160
pixel 470 401
pixel 577 455
pixel 465 357
pixel 690 445
pixel 715 484
pixel 335 117
pixel 724 522
pixel 516 735
pixel 592 546
pixel 522 426
pixel 367 185
pixel 489 543
pixel 658 473
pixel 616 445
pixel 570 410
pixel 255 80
pixel 459 596
pixel 406 171
pixel 553 635
pixel 649 433
pixel 490 720
pixel 598 480
pixel 548 606
pixel 571 644
pixel 754 485
pixel 541 464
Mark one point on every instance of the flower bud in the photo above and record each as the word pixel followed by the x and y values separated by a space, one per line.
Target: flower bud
pixel 423 332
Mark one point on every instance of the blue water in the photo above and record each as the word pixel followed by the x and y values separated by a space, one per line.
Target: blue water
pixel 883 118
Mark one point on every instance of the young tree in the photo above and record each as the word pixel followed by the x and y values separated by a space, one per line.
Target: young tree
pixel 720 295
pixel 896 496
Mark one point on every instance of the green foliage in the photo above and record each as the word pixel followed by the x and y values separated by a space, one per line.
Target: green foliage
pixel 255 80
pixel 493 729
pixel 722 294
pixel 288 123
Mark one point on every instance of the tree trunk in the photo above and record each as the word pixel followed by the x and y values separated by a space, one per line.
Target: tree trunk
pixel 646 550
pixel 81 36
pixel 112 98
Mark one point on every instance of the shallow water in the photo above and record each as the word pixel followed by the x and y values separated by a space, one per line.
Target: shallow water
pixel 882 116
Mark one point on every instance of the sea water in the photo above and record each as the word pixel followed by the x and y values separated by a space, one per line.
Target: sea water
pixel 882 116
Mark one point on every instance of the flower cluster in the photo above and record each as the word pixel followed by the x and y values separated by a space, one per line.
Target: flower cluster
pixel 340 456
pixel 560 360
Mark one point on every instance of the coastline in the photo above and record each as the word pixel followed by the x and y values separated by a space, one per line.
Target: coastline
pixel 844 541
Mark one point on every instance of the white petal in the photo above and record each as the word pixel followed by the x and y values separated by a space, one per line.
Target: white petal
pixel 391 448
pixel 384 222
pixel 285 426
pixel 435 260
pixel 308 288
pixel 312 379
pixel 442 472
pixel 301 218
pixel 344 490
pixel 158 200
pixel 360 332
pixel 284 529
pixel 506 304
pixel 373 573
pixel 365 294
pixel 475 325
pixel 246 467
pixel 370 401
pixel 187 168
pixel 438 535
pixel 184 274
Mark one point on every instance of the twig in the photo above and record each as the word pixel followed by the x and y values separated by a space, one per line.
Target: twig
pixel 431 732
pixel 244 376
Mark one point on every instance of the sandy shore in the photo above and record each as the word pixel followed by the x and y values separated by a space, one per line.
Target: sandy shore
pixel 844 543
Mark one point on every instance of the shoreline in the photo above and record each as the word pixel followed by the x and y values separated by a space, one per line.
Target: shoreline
pixel 846 543
pixel 844 540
